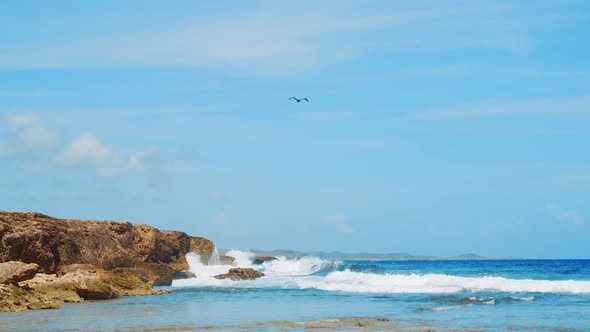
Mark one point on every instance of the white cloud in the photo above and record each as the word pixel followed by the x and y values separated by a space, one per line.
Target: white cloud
pixel 567 216
pixel 87 149
pixel 340 223
pixel 28 131
pixel 28 135
pixel 143 159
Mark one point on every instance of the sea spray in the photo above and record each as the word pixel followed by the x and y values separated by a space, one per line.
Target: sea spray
pixel 242 258
pixel 304 266
pixel 214 258
pixel 315 273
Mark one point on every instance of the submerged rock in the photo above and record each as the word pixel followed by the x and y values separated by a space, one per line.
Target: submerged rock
pixel 14 272
pixel 261 259
pixel 239 273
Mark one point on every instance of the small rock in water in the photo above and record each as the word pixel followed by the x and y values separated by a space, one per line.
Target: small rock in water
pixel 240 274
pixel 261 259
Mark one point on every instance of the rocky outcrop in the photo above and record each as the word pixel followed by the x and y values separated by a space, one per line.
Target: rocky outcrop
pixel 239 273
pixel 14 272
pixel 81 260
pixel 184 275
pixel 226 260
pixel 80 282
pixel 202 247
pixel 261 259
pixel 52 243
pixel 15 298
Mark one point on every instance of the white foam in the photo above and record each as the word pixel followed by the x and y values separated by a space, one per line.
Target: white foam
pixel 242 258
pixel 299 273
pixel 203 272
pixel 358 282
pixel 214 259
pixel 450 307
pixel 526 299
pixel 296 267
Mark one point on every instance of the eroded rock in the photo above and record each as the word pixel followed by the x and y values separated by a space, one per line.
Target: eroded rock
pixel 202 247
pixel 14 298
pixel 14 272
pixel 239 273
pixel 52 243
pixel 226 260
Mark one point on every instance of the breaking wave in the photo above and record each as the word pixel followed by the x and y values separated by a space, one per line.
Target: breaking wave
pixel 315 273
pixel 357 282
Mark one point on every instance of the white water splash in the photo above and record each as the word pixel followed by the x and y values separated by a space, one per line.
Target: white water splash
pixel 242 258
pixel 214 258
pixel 296 267
pixel 302 274
pixel 357 282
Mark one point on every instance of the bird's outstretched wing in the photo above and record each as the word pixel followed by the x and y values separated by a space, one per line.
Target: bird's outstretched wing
pixel 293 98
pixel 305 99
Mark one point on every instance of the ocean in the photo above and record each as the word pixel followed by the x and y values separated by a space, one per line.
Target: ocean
pixel 490 295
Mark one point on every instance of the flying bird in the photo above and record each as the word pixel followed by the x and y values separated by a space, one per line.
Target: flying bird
pixel 299 99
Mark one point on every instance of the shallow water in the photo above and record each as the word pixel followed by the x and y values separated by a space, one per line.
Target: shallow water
pixel 490 295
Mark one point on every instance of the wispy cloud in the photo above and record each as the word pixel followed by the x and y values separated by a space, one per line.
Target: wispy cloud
pixel 29 135
pixel 566 216
pixel 277 37
pixel 28 132
pixel 25 93
pixel 340 223
pixel 558 105
pixel 325 115
pixel 420 72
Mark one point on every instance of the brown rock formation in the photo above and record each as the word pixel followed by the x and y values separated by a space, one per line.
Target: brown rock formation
pixel 226 260
pixel 202 247
pixel 85 281
pixel 14 298
pixel 184 275
pixel 52 243
pixel 239 273
pixel 13 272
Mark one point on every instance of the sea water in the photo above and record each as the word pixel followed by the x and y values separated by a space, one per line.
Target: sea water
pixel 492 295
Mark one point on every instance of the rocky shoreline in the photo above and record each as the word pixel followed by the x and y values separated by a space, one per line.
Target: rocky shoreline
pixel 45 261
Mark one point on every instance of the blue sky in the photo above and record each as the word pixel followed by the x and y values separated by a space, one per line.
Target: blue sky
pixel 433 127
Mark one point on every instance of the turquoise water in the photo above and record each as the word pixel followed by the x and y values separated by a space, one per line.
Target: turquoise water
pixel 491 295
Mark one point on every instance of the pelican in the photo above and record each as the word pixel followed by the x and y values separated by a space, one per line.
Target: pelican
pixel 299 99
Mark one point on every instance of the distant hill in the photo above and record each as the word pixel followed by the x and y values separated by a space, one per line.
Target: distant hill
pixel 337 255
